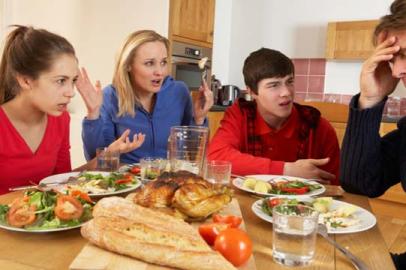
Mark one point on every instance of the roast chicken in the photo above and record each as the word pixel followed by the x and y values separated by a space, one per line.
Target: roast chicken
pixel 183 194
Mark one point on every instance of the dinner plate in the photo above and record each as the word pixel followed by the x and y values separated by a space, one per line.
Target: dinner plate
pixel 15 229
pixel 238 182
pixel 127 167
pixel 60 178
pixel 366 219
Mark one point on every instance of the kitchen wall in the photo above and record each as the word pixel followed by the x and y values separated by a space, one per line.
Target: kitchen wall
pixel 295 27
pixel 96 28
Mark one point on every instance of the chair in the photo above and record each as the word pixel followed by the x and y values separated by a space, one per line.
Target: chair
pixel 335 113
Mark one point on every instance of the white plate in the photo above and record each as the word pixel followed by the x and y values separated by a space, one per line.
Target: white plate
pixel 366 219
pixel 60 178
pixel 238 182
pixel 126 168
pixel 15 229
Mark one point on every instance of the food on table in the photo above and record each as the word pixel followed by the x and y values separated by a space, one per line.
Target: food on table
pixel 280 186
pixel 149 235
pixel 235 245
pixel 209 231
pixel 183 194
pixel 341 217
pixel 97 183
pixel 322 204
pixel 45 210
pixel 234 221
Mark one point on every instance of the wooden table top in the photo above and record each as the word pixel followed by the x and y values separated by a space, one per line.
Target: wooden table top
pixel 57 250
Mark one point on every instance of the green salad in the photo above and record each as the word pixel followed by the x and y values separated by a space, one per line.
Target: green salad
pixel 97 183
pixel 46 210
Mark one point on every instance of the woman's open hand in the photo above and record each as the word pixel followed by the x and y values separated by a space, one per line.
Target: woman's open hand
pixel 92 95
pixel 124 145
pixel 202 103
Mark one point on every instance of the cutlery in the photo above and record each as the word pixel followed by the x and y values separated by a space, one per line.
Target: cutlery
pixel 358 264
pixel 70 180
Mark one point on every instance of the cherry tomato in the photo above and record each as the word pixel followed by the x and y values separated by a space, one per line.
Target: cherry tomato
pixel 234 221
pixel 80 194
pixel 68 207
pixel 301 190
pixel 235 245
pixel 123 181
pixel 272 202
pixel 21 214
pixel 135 170
pixel 209 231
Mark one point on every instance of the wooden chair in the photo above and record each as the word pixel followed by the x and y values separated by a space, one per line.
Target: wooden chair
pixel 335 113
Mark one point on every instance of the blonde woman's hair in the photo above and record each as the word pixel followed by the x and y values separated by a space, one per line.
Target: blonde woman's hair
pixel 127 99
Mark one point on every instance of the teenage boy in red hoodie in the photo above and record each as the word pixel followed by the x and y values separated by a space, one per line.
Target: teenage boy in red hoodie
pixel 272 134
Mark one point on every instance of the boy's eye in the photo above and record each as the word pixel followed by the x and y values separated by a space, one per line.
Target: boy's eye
pixel 61 81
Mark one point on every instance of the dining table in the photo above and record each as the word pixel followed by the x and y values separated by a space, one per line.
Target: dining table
pixel 57 250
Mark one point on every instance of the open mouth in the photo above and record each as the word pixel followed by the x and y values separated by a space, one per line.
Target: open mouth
pixel 156 83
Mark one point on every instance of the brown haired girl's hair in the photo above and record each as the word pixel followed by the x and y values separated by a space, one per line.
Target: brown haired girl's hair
pixel 127 98
pixel 29 52
pixel 396 20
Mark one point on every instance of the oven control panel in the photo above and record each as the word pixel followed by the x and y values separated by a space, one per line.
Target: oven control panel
pixel 192 52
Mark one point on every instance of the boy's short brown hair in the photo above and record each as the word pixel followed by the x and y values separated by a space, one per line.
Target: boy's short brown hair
pixel 265 63
pixel 396 20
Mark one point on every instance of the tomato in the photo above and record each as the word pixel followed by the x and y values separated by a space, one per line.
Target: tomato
pixel 123 181
pixel 68 207
pixel 272 202
pixel 80 194
pixel 135 170
pixel 209 231
pixel 21 214
pixel 234 221
pixel 301 190
pixel 235 245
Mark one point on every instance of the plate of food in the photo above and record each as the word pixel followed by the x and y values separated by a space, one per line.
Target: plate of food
pixel 339 217
pixel 94 183
pixel 133 168
pixel 39 211
pixel 279 185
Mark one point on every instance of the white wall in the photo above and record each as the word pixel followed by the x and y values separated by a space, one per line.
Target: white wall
pixel 96 28
pixel 295 27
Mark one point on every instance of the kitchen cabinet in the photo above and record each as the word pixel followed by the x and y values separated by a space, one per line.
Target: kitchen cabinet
pixel 214 122
pixel 350 40
pixel 192 21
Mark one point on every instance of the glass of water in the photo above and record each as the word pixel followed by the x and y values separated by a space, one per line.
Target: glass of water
pixel 294 234
pixel 218 172
pixel 107 160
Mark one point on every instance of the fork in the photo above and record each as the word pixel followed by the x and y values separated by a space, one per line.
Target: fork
pixel 358 264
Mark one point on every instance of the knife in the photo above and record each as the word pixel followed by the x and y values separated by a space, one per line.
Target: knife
pixel 69 180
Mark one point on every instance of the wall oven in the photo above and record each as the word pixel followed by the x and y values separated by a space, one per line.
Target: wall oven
pixel 185 64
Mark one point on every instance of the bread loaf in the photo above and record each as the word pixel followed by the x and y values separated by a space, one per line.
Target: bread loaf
pixel 123 227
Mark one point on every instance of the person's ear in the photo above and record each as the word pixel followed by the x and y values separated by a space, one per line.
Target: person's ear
pixel 24 82
pixel 251 93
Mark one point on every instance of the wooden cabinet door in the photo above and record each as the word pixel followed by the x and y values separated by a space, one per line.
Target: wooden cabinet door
pixel 214 122
pixel 350 40
pixel 192 21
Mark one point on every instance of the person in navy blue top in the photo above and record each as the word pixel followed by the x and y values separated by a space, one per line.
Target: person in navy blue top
pixel 370 164
pixel 142 99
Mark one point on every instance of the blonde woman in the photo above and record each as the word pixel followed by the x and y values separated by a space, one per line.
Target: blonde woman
pixel 142 98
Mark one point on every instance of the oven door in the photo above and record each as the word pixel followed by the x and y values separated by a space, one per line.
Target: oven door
pixel 187 70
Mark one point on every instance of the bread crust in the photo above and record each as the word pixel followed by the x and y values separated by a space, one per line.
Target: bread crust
pixel 125 228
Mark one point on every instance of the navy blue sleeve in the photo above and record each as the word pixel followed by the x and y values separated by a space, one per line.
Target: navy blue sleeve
pixel 369 164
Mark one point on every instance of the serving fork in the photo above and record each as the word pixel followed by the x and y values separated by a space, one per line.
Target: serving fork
pixel 358 264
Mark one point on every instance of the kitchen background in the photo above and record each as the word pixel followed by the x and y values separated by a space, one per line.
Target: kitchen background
pixel 298 28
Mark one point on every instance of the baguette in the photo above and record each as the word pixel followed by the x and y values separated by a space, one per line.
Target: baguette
pixel 125 228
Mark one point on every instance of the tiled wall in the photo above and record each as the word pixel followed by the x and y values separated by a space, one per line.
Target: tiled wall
pixel 309 85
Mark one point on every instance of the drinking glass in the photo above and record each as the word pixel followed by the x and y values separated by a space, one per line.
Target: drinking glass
pixel 187 148
pixel 151 168
pixel 294 234
pixel 107 160
pixel 218 172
